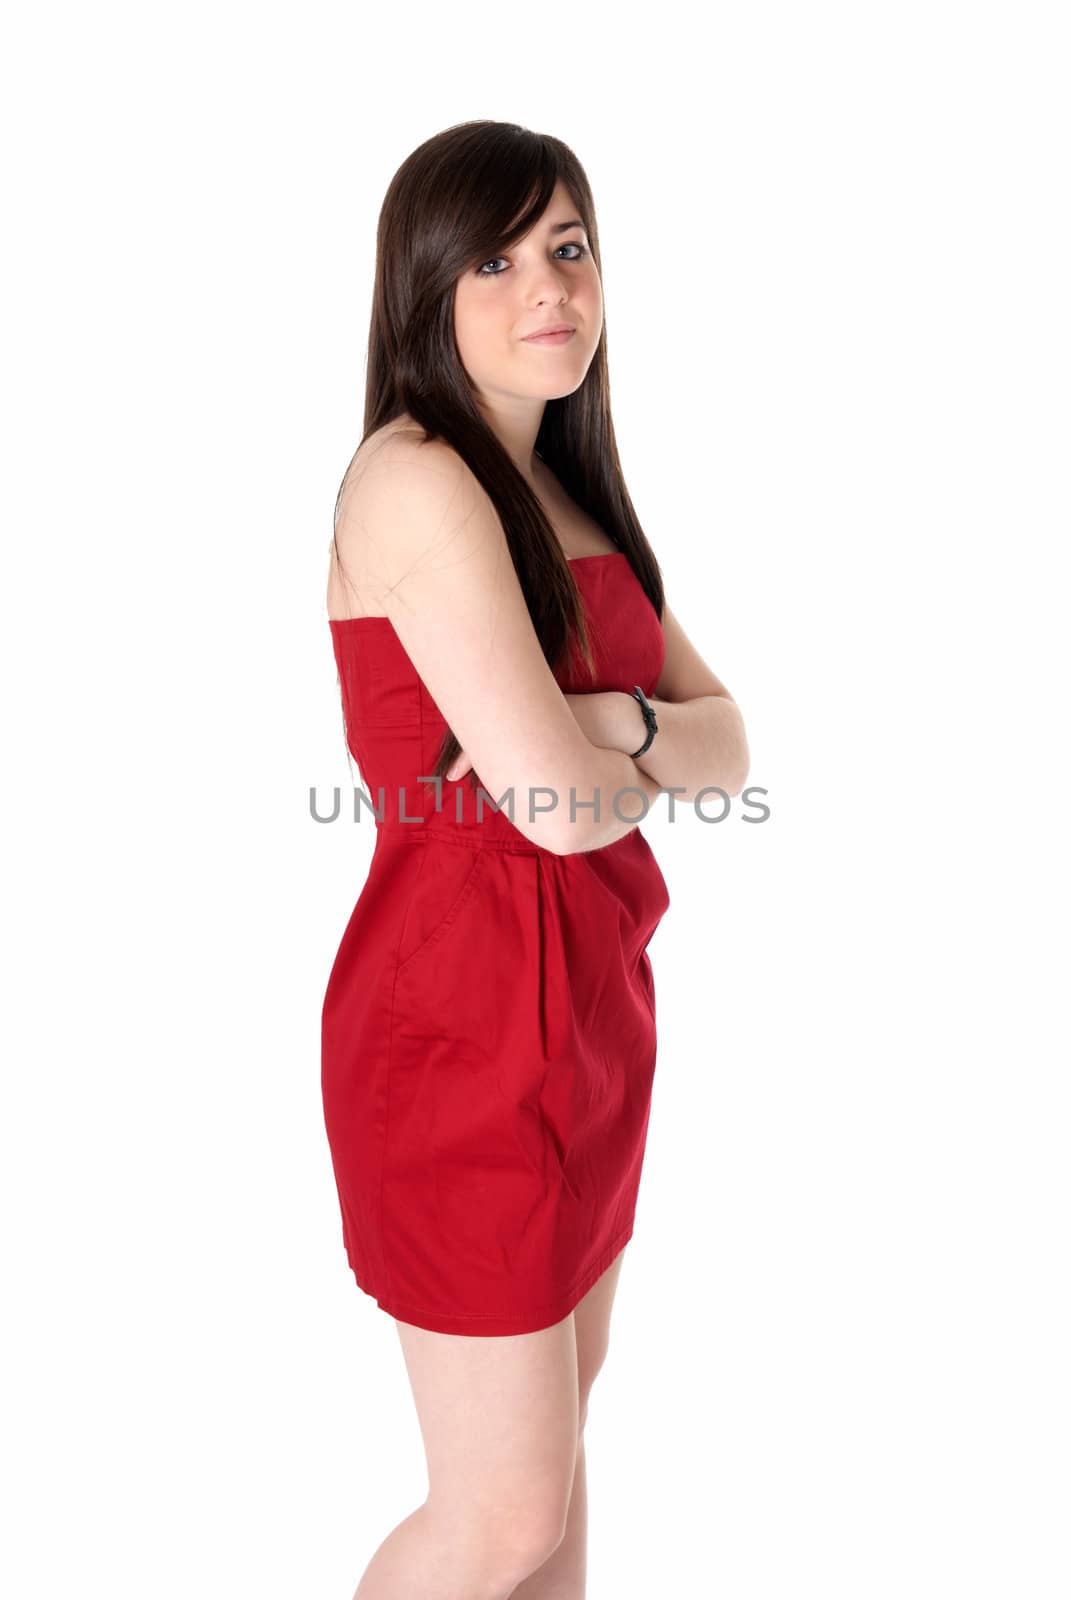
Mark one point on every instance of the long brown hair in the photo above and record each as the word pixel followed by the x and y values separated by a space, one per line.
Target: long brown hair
pixel 458 200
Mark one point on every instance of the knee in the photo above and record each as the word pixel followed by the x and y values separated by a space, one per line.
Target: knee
pixel 500 1550
pixel 534 1540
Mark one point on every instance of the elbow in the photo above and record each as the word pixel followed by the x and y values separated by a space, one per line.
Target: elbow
pixel 554 840
pixel 562 837
pixel 741 767
pixel 571 840
pixel 737 777
pixel 564 820
pixel 562 847
pixel 551 830
pixel 579 823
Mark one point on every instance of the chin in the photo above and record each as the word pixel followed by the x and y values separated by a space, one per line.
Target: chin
pixel 557 386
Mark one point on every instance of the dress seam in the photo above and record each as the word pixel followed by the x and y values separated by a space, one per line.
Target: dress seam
pixel 454 835
pixel 386 1128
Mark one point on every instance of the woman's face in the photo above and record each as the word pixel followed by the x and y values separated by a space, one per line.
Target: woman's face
pixel 547 277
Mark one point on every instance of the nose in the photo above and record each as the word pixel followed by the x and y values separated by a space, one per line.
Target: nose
pixel 551 297
pixel 549 288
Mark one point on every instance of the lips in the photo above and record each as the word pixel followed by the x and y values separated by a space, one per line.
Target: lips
pixel 553 327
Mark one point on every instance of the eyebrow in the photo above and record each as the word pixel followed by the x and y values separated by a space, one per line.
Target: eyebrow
pixel 560 227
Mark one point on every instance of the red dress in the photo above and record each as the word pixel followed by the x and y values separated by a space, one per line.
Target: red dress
pixel 488 1029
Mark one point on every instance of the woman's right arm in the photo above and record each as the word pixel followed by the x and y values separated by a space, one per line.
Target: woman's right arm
pixel 430 551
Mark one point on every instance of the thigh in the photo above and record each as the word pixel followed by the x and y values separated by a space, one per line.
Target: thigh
pixel 592 1329
pixel 498 1420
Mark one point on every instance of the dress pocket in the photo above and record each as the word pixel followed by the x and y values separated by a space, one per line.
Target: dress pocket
pixel 447 880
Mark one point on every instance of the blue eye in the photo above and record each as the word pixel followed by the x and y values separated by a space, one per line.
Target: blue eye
pixel 582 251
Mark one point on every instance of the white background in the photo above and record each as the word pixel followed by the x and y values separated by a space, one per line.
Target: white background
pixel 835 263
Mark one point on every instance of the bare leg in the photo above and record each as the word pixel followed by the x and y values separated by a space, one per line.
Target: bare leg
pixel 498 1419
pixel 503 1426
pixel 563 1576
pixel 422 1556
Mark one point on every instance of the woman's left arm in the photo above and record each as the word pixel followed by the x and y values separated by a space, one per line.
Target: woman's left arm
pixel 700 741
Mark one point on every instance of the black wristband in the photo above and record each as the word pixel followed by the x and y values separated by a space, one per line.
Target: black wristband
pixel 649 718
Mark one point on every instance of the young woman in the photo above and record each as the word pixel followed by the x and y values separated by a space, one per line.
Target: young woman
pixel 489 1040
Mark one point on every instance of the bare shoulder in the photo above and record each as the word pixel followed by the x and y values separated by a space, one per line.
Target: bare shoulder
pixel 402 453
pixel 406 501
pixel 429 548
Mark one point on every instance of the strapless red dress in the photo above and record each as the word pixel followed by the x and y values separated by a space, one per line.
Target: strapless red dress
pixel 488 1028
